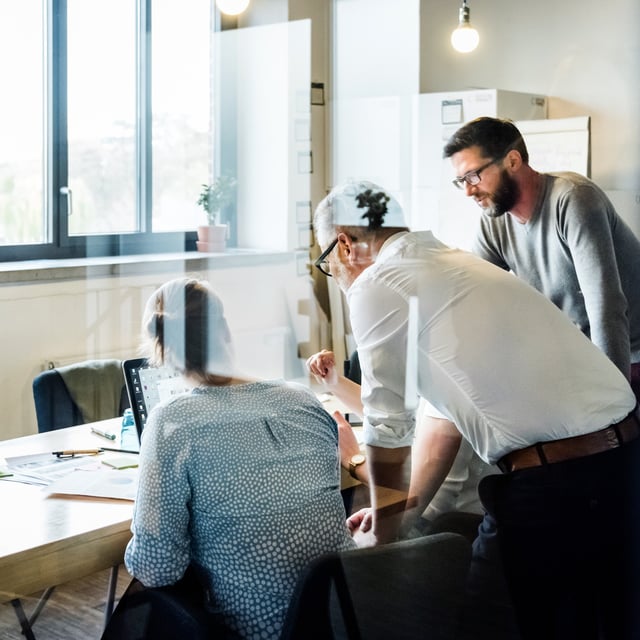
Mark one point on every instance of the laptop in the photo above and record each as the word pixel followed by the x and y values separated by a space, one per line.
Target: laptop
pixel 147 386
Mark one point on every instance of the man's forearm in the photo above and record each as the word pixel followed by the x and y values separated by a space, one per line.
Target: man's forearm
pixel 434 451
pixel 389 472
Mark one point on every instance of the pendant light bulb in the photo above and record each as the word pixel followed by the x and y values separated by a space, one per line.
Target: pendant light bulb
pixel 465 38
pixel 232 7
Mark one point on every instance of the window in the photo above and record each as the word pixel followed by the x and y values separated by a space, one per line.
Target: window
pixel 21 122
pixel 107 127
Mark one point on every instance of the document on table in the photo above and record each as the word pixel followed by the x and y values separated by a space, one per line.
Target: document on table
pixel 77 475
pixel 120 484
pixel 44 468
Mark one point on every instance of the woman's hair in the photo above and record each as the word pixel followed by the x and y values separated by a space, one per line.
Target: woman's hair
pixel 184 328
pixel 494 136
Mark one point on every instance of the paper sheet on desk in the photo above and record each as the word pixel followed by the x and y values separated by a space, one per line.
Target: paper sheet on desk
pixel 44 468
pixel 119 484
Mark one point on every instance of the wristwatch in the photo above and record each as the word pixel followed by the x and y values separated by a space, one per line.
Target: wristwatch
pixel 355 461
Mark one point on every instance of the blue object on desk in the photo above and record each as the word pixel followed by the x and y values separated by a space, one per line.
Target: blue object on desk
pixel 129 433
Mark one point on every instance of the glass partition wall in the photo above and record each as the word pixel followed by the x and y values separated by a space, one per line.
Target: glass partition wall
pixel 237 102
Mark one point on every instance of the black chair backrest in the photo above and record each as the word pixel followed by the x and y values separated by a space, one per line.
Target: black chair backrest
pixel 163 613
pixel 408 589
pixel 352 368
pixel 55 406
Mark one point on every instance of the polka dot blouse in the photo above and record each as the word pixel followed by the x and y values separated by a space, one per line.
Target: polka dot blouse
pixel 243 481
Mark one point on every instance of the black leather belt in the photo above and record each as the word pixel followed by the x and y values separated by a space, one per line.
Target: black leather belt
pixel 577 447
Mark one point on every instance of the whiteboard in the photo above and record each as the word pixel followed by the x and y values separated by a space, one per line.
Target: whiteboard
pixel 560 144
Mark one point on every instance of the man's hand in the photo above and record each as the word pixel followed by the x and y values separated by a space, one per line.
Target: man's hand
pixel 323 366
pixel 360 521
pixel 359 525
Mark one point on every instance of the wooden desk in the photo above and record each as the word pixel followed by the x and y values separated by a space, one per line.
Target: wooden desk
pixel 46 541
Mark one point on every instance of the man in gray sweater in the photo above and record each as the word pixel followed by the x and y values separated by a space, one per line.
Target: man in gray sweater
pixel 557 231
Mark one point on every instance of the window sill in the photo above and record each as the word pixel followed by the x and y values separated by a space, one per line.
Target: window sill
pixel 32 271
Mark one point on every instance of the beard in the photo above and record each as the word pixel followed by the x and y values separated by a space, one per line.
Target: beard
pixel 504 197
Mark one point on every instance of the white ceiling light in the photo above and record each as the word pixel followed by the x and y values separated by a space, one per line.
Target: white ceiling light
pixel 232 7
pixel 465 38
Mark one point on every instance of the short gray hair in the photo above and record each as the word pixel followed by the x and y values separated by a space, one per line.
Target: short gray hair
pixel 361 205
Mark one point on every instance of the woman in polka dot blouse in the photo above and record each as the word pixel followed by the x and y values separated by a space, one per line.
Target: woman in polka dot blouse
pixel 239 478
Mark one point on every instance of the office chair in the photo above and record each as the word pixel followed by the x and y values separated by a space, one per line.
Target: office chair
pixel 83 392
pixel 350 370
pixel 404 590
pixel 76 394
pixel 460 522
pixel 163 613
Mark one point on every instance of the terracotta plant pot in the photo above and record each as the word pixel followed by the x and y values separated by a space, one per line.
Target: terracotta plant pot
pixel 212 238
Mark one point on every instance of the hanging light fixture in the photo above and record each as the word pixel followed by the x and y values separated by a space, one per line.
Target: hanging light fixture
pixel 232 7
pixel 465 38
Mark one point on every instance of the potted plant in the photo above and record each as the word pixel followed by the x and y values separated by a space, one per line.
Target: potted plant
pixel 213 198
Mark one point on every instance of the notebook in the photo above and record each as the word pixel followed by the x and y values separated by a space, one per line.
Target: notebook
pixel 147 386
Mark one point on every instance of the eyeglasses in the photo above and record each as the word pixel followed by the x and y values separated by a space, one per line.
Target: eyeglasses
pixel 322 263
pixel 472 178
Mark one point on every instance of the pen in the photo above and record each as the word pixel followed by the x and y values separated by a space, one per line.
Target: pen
pixel 118 450
pixel 104 434
pixel 70 453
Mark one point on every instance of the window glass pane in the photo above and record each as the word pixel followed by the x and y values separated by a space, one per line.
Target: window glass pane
pixel 181 103
pixel 21 122
pixel 102 115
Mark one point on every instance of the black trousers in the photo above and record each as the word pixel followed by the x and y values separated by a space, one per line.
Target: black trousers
pixel 568 536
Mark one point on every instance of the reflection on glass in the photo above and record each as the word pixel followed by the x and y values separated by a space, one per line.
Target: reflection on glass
pixel 102 115
pixel 182 112
pixel 21 122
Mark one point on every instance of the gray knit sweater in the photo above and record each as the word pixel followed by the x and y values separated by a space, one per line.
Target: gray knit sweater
pixel 578 252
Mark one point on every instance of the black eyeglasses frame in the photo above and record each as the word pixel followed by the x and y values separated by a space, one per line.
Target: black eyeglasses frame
pixel 322 258
pixel 472 178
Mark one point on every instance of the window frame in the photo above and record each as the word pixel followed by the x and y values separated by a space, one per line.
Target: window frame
pixel 58 244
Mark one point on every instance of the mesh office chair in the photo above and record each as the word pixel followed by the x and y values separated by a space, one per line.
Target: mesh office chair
pixel 404 590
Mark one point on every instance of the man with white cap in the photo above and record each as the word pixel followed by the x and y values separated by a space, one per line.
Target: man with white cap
pixel 526 388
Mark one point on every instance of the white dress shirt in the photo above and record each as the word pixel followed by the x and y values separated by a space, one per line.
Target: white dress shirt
pixel 494 355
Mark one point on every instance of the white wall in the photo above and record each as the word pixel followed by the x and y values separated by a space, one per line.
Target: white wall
pixel 585 55
pixel 264 87
pixel 375 73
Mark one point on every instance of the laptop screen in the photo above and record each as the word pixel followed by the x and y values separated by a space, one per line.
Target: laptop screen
pixel 147 386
